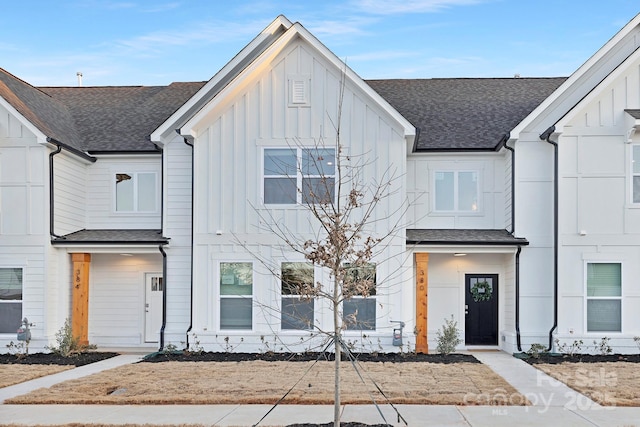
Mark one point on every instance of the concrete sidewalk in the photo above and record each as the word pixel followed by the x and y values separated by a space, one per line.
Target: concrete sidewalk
pixel 553 404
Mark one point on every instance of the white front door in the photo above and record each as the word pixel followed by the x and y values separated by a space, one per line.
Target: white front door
pixel 153 306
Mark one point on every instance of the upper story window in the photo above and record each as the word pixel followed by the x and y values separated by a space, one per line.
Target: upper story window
pixel 456 191
pixel 635 174
pixel 298 175
pixel 604 296
pixel 136 191
pixel 10 300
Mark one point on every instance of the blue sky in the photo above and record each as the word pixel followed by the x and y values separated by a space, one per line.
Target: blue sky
pixel 132 42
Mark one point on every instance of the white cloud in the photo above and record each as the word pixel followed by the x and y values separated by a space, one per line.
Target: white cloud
pixel 392 7
pixel 207 33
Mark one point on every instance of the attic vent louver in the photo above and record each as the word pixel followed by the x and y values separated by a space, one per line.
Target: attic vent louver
pixel 299 91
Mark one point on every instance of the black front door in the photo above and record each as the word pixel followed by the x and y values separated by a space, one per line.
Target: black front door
pixel 481 309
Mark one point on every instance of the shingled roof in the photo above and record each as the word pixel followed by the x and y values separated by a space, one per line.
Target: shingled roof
pixel 121 118
pixel 97 119
pixel 451 114
pixel 463 237
pixel 50 116
pixel 462 113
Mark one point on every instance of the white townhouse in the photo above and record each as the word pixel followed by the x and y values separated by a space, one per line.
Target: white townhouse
pixel 146 215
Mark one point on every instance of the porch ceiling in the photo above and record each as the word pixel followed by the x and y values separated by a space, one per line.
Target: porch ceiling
pixel 454 237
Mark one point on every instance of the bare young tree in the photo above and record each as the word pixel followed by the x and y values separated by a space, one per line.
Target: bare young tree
pixel 349 232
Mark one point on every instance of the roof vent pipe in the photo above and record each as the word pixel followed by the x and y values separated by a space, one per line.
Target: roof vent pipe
pixel 79 75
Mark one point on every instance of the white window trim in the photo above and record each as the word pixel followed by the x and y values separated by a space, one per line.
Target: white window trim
pixel 220 297
pixel 455 210
pixel 299 174
pixel 134 175
pixel 587 298
pixel 21 301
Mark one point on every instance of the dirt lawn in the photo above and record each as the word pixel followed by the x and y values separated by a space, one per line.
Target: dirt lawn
pixel 608 383
pixel 262 382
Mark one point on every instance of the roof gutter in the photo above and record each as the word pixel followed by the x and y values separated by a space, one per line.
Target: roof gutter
pixel 75 151
pixel 546 136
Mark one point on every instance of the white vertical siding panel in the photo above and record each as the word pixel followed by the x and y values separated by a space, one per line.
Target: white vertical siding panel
pixel 24 236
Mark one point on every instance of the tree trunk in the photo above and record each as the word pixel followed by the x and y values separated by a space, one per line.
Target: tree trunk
pixel 338 354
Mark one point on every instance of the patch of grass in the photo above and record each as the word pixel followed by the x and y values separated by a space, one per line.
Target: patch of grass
pixel 261 382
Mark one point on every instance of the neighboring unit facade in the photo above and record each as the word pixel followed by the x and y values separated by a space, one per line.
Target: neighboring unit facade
pixel 155 216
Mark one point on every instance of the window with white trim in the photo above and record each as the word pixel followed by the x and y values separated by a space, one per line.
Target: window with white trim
pixel 136 192
pixel 236 295
pixel 604 296
pixel 298 175
pixel 359 310
pixel 635 174
pixel 297 284
pixel 10 300
pixel 456 191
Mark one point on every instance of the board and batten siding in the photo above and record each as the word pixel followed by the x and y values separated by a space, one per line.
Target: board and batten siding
pixel 493 193
pixel 24 230
pixel 598 221
pixel 101 212
pixel 228 175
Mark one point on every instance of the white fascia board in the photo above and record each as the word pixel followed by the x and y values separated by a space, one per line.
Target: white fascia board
pixel 597 91
pixel 297 30
pixel 576 76
pixel 41 137
pixel 174 121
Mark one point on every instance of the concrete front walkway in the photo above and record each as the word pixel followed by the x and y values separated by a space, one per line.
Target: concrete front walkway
pixel 553 405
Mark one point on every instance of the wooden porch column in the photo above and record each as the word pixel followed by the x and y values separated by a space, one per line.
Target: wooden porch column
pixel 80 297
pixel 422 264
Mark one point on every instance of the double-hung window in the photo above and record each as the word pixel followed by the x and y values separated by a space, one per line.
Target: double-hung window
pixel 604 297
pixel 359 310
pixel 456 191
pixel 297 285
pixel 136 192
pixel 236 295
pixel 298 175
pixel 10 300
pixel 635 174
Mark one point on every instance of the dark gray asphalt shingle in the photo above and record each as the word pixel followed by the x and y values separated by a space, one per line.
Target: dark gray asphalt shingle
pixel 108 237
pixel 464 113
pixel 451 114
pixel 633 113
pixel 463 237
pixel 121 118
pixel 50 116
